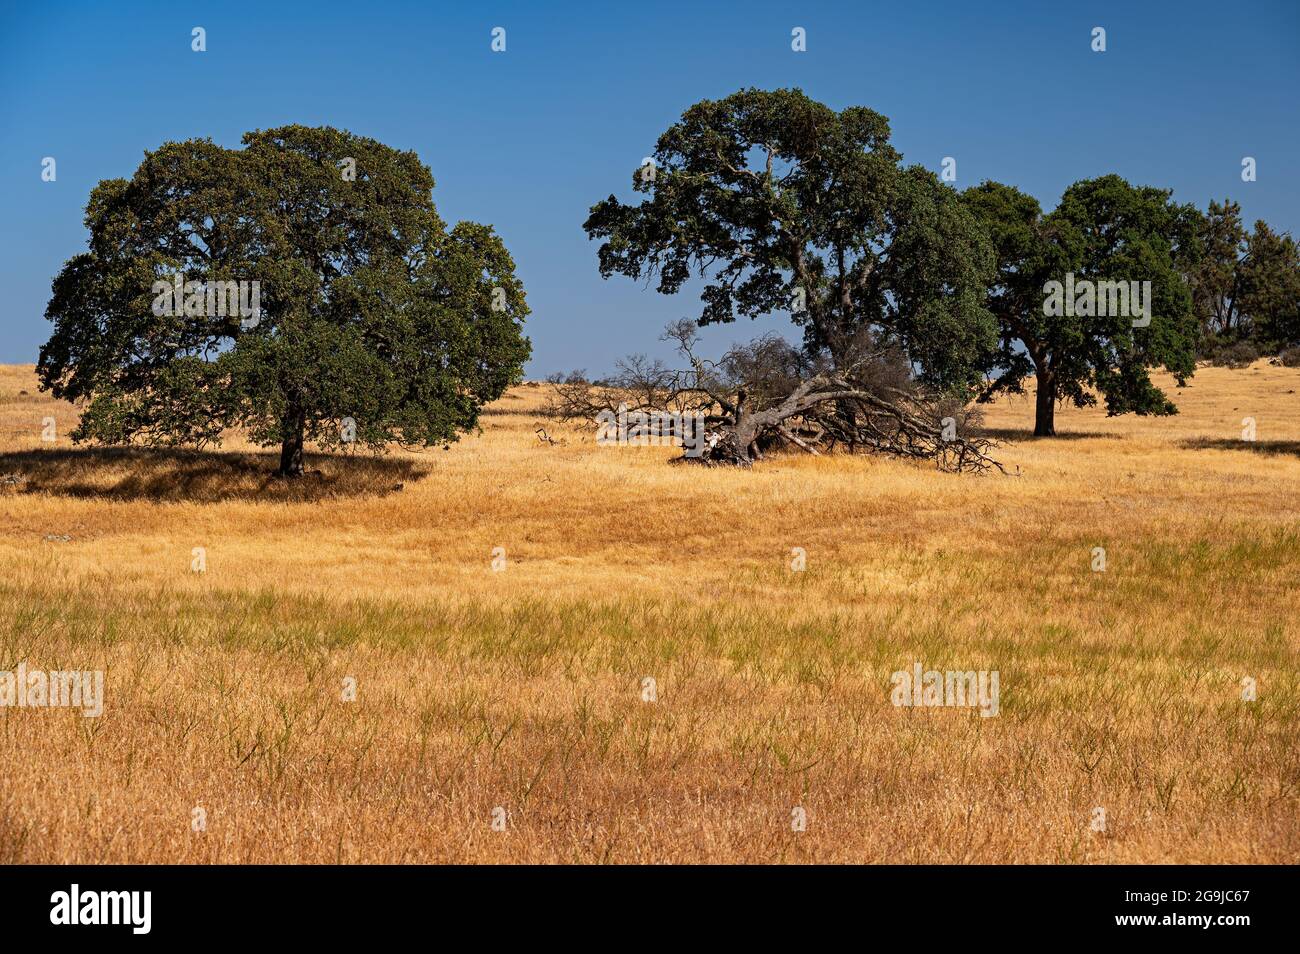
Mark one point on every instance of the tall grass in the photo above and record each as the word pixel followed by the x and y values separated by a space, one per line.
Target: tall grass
pixel 523 689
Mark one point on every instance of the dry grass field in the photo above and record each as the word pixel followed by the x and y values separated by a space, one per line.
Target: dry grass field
pixel 522 688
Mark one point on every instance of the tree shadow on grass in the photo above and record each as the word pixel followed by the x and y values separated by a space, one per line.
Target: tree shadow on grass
pixel 165 474
pixel 1269 448
pixel 1027 434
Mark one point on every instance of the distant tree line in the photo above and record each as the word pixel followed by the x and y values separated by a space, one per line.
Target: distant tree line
pixel 1245 288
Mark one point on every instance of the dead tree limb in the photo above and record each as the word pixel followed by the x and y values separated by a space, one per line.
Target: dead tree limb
pixel 767 395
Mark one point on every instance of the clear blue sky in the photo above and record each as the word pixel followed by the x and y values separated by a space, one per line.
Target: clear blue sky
pixel 528 139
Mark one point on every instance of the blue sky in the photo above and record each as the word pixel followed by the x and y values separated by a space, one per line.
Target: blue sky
pixel 529 139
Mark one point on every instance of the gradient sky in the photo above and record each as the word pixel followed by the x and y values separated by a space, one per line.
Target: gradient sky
pixel 529 139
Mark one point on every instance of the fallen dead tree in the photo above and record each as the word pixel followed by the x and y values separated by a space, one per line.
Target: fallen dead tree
pixel 768 395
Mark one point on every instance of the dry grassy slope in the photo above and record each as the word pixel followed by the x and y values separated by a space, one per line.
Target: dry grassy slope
pixel 521 688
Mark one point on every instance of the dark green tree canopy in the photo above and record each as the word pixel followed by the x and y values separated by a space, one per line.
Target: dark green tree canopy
pixel 1247 284
pixel 1104 231
pixel 1269 286
pixel 366 309
pixel 782 204
pixel 1216 289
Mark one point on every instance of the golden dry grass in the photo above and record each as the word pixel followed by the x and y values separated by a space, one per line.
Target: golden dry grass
pixel 522 688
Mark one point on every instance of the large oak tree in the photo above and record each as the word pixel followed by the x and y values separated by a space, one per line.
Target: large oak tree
pixel 779 203
pixel 375 322
pixel 1103 230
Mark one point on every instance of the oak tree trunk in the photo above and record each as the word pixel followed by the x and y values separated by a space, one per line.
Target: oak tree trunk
pixel 295 423
pixel 1045 409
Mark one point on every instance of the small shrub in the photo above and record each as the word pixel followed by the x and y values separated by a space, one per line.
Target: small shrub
pixel 1239 355
pixel 1290 357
